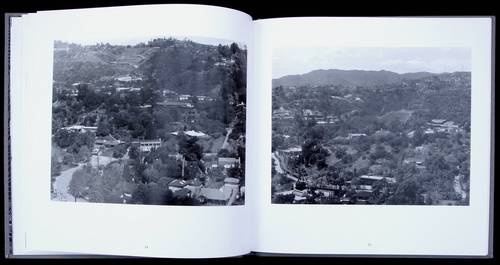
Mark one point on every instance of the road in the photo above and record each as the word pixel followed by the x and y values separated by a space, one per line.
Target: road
pixel 280 167
pixel 232 197
pixel 61 184
pixel 277 163
pixel 457 186
pixel 224 144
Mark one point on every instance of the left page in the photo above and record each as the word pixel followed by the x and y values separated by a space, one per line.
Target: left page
pixel 134 123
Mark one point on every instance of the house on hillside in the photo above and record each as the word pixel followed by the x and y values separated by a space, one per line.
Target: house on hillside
pixel 442 125
pixel 175 104
pixel 194 186
pixel 437 122
pixel 127 89
pixel 300 195
pixel 147 145
pixel 182 193
pixel 228 162
pixel 219 196
pixel 370 179
pixel 309 114
pixel 355 135
pixel 177 184
pixel 231 181
pixel 204 98
pixel 169 94
pixel 282 113
pixel 125 78
pixel 191 133
pixel 291 152
pixel 417 161
pixel 107 141
pixel 382 133
pixel 80 128
pixel 332 119
pixel 429 131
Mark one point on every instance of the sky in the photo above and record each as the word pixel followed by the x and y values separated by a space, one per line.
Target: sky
pixel 300 60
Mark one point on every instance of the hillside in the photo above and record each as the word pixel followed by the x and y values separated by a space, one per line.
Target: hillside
pixel 183 66
pixel 77 63
pixel 346 78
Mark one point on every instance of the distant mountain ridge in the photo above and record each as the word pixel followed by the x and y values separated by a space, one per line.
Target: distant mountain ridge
pixel 348 77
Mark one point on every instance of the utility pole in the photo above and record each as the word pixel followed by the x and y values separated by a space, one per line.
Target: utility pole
pixel 183 162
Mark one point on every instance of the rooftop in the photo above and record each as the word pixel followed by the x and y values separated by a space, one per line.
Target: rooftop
pixel 292 150
pixel 377 178
pixel 438 121
pixel 231 180
pixel 178 183
pixel 228 160
pixel 216 194
pixel 182 193
pixel 191 133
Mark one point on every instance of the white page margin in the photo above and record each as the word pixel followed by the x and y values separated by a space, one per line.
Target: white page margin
pixel 167 231
pixel 378 229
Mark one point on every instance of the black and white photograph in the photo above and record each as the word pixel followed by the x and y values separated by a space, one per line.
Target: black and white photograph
pixel 371 125
pixel 158 121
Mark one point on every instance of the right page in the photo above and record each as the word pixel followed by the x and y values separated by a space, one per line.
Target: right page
pixel 375 137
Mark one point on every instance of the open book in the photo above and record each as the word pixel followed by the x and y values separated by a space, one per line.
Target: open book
pixel 194 131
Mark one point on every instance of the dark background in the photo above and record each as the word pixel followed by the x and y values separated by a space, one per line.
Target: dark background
pixel 281 8
pixel 268 9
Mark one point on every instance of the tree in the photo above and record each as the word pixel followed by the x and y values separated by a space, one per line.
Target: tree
pixel 340 152
pixel 395 125
pixel 190 149
pixel 418 137
pixel 235 172
pixel 64 138
pixel 55 166
pixel 80 181
pixel 88 96
pixel 407 192
pixel 86 138
pixel 278 142
pixel 299 125
pixel 151 174
pixel 103 128
pixel 112 175
pixel 134 152
pixel 436 163
pixel 300 185
pixel 379 152
pixel 284 198
pixel 140 194
pixel 119 151
pixel 83 154
pixel 225 153
pixel 191 169
pixel 155 195
pixel 68 159
pixel 163 182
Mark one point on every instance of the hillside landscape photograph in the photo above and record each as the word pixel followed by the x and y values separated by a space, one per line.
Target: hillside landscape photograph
pixel 159 121
pixel 371 126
